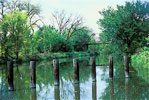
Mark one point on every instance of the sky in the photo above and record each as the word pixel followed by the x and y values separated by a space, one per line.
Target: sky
pixel 88 9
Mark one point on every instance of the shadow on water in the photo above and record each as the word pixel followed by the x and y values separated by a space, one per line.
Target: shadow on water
pixel 119 88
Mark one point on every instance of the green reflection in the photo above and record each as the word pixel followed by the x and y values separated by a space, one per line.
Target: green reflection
pixel 120 88
pixel 133 88
pixel 33 94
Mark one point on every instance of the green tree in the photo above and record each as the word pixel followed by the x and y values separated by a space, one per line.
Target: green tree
pixel 127 26
pixel 80 39
pixel 33 13
pixel 15 26
pixel 45 38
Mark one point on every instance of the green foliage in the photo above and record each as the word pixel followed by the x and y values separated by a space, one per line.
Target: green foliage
pixel 18 40
pixel 126 27
pixel 45 38
pixel 61 45
pixel 14 27
pixel 94 48
pixel 141 59
pixel 80 40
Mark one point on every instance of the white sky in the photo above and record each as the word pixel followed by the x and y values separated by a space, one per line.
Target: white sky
pixel 88 9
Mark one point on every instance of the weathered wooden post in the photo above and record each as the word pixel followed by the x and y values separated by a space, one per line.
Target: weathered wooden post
pixel 56 71
pixel 111 67
pixel 94 91
pixel 56 93
pixel 10 75
pixel 33 74
pixel 93 69
pixel 76 70
pixel 126 66
pixel 77 91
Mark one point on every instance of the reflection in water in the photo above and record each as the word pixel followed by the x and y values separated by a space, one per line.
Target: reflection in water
pixel 56 93
pixel 126 89
pixel 86 90
pixel 94 91
pixel 77 91
pixel 10 95
pixel 33 94
pixel 111 90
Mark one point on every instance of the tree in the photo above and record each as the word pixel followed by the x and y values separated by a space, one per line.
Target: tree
pixel 66 24
pixel 127 26
pixel 81 39
pixel 45 37
pixel 15 26
pixel 33 13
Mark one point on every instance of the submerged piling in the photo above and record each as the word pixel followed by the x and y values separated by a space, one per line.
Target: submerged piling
pixel 10 75
pixel 56 93
pixel 56 71
pixel 76 70
pixel 111 67
pixel 126 66
pixel 77 91
pixel 94 91
pixel 93 69
pixel 33 74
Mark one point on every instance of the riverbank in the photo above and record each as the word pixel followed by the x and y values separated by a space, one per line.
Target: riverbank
pixel 140 61
pixel 50 56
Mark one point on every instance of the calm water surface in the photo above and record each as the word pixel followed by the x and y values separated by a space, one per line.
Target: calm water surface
pixel 134 88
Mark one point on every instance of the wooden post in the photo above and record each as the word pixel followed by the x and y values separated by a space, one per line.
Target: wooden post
pixel 111 67
pixel 93 69
pixel 56 93
pixel 76 70
pixel 33 74
pixel 10 75
pixel 56 71
pixel 94 91
pixel 126 66
pixel 77 91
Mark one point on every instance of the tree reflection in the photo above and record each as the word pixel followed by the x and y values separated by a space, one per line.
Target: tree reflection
pixel 119 88
pixel 125 88
pixel 33 94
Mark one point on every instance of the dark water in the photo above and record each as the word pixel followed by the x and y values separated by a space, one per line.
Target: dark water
pixel 134 88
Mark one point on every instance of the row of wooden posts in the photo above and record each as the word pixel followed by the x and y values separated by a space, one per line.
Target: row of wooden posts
pixel 56 71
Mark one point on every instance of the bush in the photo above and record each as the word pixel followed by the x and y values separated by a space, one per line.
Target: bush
pixel 141 59
pixel 61 45
pixel 140 62
pixel 80 40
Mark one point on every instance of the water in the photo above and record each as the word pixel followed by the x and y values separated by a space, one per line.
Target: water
pixel 134 88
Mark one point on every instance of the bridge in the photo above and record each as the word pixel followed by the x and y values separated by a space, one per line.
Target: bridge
pixel 99 42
